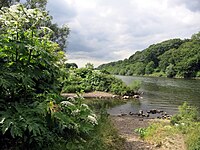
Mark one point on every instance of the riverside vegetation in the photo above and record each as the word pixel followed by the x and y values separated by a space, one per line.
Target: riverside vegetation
pixel 171 58
pixel 186 123
pixel 33 73
pixel 33 115
pixel 87 79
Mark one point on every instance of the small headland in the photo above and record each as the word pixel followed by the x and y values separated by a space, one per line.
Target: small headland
pixel 100 95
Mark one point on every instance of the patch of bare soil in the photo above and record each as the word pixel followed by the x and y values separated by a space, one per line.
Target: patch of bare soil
pixel 95 94
pixel 126 126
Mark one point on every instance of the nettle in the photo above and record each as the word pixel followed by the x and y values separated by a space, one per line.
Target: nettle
pixel 31 74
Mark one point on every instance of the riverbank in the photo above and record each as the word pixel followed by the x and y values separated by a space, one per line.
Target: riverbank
pixel 95 94
pixel 99 95
pixel 126 125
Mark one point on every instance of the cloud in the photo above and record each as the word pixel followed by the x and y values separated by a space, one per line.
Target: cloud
pixel 109 30
pixel 192 5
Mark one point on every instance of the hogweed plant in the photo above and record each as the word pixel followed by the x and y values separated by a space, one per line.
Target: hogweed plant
pixel 33 115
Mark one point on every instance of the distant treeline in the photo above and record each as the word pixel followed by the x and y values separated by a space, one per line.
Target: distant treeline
pixel 171 58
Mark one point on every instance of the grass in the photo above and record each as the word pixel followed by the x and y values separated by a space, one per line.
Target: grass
pixel 185 124
pixel 104 135
pixel 157 132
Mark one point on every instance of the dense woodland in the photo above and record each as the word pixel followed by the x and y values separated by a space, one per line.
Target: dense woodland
pixel 171 58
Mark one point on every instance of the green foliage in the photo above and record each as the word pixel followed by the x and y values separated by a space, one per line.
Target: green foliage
pixel 104 136
pixel 89 66
pixel 175 58
pixel 185 123
pixel 157 132
pixel 73 65
pixel 141 131
pixel 170 72
pixel 149 68
pixel 187 114
pixel 193 137
pixel 135 85
pixel 87 80
pixel 32 113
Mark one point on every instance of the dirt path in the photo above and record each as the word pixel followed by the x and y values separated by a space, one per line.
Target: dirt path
pixel 126 126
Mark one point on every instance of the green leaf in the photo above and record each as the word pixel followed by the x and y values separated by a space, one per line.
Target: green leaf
pixel 6 126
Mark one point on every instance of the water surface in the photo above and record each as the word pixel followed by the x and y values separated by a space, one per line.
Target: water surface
pixel 161 93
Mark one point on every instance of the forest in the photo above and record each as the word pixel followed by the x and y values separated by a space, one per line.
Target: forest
pixel 171 58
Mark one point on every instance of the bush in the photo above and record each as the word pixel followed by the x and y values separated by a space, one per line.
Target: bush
pixel 187 114
pixel 88 80
pixel 32 113
pixel 187 120
pixel 135 85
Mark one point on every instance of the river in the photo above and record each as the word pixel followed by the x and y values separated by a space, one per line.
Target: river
pixel 161 93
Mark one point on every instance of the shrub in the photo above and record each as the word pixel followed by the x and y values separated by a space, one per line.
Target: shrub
pixel 32 113
pixel 88 80
pixel 135 85
pixel 187 114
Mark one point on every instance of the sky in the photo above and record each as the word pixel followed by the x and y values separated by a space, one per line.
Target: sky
pixel 103 31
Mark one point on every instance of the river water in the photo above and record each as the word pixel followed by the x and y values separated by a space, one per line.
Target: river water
pixel 161 93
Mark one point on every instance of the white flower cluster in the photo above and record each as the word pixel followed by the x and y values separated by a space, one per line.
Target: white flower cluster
pixel 84 106
pixel 72 99
pixel 76 112
pixel 93 119
pixel 66 103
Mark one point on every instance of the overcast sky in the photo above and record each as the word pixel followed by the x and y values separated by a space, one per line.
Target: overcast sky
pixel 108 30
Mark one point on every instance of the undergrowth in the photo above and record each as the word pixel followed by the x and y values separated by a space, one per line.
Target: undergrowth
pixel 185 123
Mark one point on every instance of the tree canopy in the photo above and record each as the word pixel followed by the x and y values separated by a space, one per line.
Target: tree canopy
pixel 174 57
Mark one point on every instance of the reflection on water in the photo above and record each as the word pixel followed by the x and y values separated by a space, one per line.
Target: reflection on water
pixel 161 93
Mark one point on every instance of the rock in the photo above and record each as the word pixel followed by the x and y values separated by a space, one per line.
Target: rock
pixel 114 96
pixel 159 111
pixel 158 145
pixel 123 114
pixel 147 115
pixel 153 111
pixel 136 96
pixel 131 113
pixel 125 97
pixel 141 119
pixel 143 115
pixel 140 112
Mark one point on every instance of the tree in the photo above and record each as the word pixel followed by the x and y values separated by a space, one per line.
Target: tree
pixel 59 35
pixel 150 67
pixel 170 71
pixel 30 4
pixel 89 66
pixel 71 65
pixel 7 3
